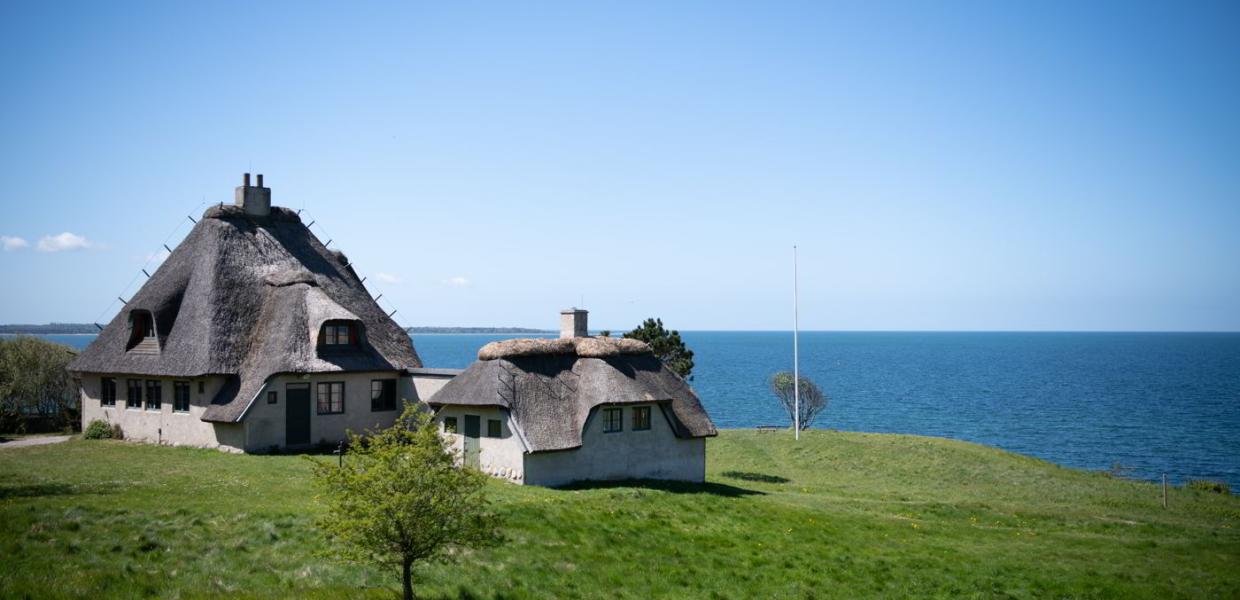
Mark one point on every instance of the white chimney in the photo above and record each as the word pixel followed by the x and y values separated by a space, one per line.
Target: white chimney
pixel 573 323
pixel 256 200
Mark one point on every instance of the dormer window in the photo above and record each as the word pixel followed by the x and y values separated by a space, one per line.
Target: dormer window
pixel 338 334
pixel 142 332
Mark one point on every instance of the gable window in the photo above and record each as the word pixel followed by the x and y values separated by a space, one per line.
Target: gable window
pixel 107 392
pixel 338 334
pixel 154 395
pixel 449 424
pixel 141 330
pixel 613 420
pixel 382 395
pixel 180 396
pixel 273 397
pixel 331 398
pixel 133 399
pixel 641 418
pixel 494 429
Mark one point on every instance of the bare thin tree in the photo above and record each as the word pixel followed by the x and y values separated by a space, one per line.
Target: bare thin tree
pixel 813 400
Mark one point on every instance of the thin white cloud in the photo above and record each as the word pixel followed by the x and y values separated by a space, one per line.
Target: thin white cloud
pixel 11 243
pixel 387 278
pixel 457 281
pixel 63 242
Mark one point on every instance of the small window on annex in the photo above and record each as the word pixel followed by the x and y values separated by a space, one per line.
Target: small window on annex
pixel 449 424
pixel 613 420
pixel 382 395
pixel 154 395
pixel 180 396
pixel 273 397
pixel 107 392
pixel 641 418
pixel 331 398
pixel 338 334
pixel 494 428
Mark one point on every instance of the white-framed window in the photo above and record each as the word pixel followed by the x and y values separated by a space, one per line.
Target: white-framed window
pixel 331 398
pixel 107 392
pixel 154 394
pixel 180 396
pixel 613 420
pixel 641 418
pixel 133 397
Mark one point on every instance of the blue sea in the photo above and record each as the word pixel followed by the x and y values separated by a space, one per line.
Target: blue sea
pixel 1151 403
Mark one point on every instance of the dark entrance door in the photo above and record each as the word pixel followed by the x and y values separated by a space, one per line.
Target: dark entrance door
pixel 297 415
pixel 473 428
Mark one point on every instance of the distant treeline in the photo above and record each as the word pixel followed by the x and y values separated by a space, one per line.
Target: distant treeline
pixel 50 328
pixel 416 330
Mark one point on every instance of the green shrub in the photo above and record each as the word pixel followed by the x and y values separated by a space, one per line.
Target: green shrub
pixel 97 430
pixel 1206 485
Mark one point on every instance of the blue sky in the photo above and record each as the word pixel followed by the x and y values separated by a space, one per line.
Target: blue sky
pixel 961 166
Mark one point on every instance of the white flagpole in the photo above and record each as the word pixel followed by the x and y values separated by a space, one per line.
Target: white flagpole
pixel 796 359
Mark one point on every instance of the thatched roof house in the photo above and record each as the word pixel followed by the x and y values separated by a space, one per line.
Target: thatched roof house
pixel 249 296
pixel 546 401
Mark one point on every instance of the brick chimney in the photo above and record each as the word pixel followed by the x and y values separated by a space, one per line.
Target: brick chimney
pixel 573 323
pixel 255 199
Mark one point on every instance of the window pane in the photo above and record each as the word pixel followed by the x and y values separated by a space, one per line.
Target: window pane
pixel 449 424
pixel 641 417
pixel 153 395
pixel 612 420
pixel 493 428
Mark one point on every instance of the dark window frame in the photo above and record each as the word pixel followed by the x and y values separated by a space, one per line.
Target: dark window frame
pixel 318 398
pixel 273 397
pixel 202 387
pixel 332 333
pixel 495 428
pixel 641 418
pixel 180 397
pixel 133 394
pixel 107 391
pixel 613 420
pixel 450 425
pixel 154 401
pixel 384 398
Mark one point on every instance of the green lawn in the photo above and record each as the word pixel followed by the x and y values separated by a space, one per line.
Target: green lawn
pixel 837 515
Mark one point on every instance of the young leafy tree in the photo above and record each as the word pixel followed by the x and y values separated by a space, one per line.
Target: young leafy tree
pixel 813 400
pixel 400 498
pixel 666 345
pixel 35 385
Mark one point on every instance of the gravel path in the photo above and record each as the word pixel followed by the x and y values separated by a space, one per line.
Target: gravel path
pixel 36 441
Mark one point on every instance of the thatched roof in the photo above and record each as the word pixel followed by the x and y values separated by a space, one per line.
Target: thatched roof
pixel 551 386
pixel 245 297
pixel 588 347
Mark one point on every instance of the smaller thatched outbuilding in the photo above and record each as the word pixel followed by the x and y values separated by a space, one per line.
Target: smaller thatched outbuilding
pixel 553 411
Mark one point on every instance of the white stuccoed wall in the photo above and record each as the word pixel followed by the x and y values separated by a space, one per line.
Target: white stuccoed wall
pixel 655 453
pixel 501 457
pixel 178 428
pixel 265 423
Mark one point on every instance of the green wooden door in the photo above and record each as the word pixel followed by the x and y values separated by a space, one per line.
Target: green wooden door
pixel 297 415
pixel 473 428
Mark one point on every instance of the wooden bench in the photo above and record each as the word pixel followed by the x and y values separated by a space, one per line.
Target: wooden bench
pixel 766 428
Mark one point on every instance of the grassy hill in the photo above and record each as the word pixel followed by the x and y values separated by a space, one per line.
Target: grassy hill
pixel 837 515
